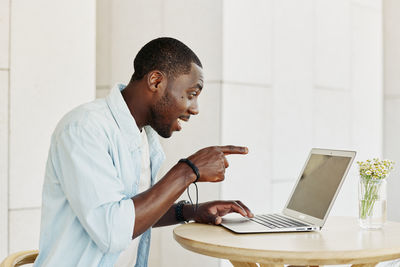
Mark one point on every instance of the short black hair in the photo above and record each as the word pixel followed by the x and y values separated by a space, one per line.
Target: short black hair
pixel 165 54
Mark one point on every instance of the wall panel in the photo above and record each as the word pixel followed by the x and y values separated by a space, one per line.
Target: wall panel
pixel 391 47
pixel 367 87
pixel 3 163
pixel 133 24
pixel 391 129
pixel 280 194
pixel 198 25
pixel 332 43
pixel 4 33
pixel 103 43
pixel 293 86
pixel 49 76
pixel 392 151
pixel 247 42
pixel 24 229
pixel 4 122
pixel 332 119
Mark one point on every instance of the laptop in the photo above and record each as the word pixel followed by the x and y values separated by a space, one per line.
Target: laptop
pixel 311 199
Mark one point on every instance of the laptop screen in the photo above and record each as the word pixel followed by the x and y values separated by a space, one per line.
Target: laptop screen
pixel 318 184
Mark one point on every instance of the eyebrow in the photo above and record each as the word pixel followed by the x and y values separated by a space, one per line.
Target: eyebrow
pixel 199 86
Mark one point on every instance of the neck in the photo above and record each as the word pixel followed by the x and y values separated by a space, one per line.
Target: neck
pixel 136 102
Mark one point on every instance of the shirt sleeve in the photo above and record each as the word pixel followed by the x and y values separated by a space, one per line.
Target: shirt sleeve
pixel 92 187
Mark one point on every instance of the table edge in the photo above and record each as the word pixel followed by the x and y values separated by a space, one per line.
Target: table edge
pixel 287 257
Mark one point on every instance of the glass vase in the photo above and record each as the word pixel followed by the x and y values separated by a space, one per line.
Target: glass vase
pixel 372 203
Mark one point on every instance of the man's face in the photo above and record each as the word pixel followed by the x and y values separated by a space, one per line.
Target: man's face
pixel 178 102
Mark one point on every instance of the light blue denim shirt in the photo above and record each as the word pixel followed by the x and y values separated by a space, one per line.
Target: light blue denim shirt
pixel 92 171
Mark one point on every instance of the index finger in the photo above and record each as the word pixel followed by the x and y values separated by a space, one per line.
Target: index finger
pixel 227 150
pixel 249 213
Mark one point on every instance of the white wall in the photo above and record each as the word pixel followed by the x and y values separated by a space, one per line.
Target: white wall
pixel 47 67
pixel 297 75
pixel 391 141
pixel 4 110
pixel 322 87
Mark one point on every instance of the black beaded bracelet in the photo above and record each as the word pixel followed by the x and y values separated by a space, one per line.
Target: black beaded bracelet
pixel 194 168
pixel 179 211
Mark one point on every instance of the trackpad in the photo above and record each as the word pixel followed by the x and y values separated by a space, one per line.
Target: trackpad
pixel 243 225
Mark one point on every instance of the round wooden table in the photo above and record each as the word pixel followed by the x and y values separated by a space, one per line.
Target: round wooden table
pixel 341 241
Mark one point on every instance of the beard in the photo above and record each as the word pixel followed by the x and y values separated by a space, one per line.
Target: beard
pixel 159 116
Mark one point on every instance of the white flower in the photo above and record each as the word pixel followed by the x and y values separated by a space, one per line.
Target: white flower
pixel 375 168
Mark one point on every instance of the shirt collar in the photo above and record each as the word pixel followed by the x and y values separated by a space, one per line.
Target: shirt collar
pixel 123 117
pixel 127 124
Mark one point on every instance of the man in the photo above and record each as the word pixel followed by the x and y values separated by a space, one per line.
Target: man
pixel 99 196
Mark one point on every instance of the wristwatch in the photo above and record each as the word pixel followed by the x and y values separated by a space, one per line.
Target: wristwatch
pixel 179 211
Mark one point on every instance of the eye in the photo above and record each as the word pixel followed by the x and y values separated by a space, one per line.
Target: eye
pixel 192 94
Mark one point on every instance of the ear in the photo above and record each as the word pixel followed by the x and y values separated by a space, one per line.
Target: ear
pixel 157 81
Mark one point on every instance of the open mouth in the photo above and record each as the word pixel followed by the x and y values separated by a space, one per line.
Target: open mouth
pixel 179 123
pixel 180 120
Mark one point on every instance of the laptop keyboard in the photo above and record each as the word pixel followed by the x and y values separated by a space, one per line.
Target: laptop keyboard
pixel 276 221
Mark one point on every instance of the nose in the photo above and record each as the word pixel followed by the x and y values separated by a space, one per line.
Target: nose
pixel 194 108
